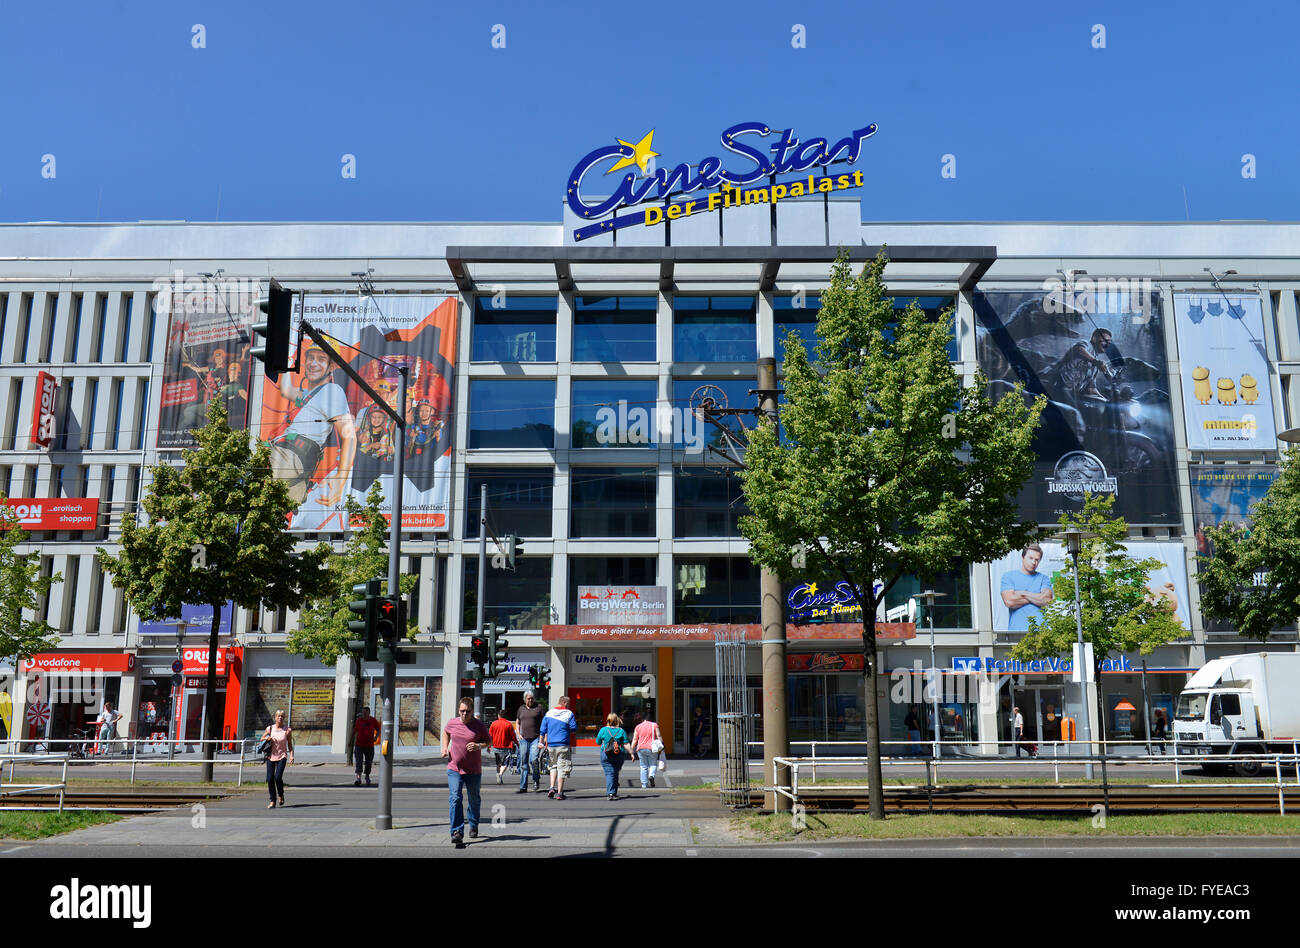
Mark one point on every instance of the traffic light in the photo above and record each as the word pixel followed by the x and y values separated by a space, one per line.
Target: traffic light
pixel 533 677
pixel 387 624
pixel 478 650
pixel 542 683
pixel 277 315
pixel 497 648
pixel 514 549
pixel 365 627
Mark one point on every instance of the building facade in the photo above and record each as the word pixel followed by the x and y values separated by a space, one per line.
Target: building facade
pixel 578 371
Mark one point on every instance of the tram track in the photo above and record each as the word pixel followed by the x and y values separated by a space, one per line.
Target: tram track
pixel 118 802
pixel 1057 800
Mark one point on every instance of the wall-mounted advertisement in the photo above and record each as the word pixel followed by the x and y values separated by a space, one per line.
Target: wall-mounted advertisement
pixel 1099 358
pixel 1227 398
pixel 207 357
pixel 329 440
pixel 622 605
pixel 1021 582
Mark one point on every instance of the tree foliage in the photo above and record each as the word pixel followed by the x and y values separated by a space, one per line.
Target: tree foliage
pixel 22 588
pixel 890 467
pixel 1121 612
pixel 1252 579
pixel 323 627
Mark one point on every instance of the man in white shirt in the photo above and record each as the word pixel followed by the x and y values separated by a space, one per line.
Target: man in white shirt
pixel 322 405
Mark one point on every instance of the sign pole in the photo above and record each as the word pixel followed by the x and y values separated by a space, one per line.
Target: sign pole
pixel 482 576
pixel 776 740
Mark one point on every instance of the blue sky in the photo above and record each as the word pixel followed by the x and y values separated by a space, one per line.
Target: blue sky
pixel 445 127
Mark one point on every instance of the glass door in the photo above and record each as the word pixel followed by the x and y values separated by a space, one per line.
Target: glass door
pixel 701 722
pixel 1050 711
pixel 410 715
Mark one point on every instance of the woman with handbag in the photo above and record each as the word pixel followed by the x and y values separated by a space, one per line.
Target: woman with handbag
pixel 613 741
pixel 647 745
pixel 280 739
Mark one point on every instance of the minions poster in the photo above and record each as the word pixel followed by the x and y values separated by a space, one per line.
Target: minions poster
pixel 1227 395
pixel 329 439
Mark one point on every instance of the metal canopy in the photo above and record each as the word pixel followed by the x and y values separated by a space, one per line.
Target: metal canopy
pixel 470 265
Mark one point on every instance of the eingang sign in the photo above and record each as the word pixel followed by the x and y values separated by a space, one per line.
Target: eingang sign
pixel 788 156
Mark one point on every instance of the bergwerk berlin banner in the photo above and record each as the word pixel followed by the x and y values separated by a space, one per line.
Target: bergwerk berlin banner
pixel 329 440
pixel 207 358
pixel 1227 398
pixel 1107 427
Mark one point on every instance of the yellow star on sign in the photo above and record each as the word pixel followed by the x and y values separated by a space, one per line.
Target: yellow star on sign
pixel 812 589
pixel 641 154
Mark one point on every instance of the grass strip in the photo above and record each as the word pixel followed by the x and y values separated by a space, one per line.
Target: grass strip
pixel 827 826
pixel 18 825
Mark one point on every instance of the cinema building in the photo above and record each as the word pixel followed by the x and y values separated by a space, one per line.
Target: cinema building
pixel 570 374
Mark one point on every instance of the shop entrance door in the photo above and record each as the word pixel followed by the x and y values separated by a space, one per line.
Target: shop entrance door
pixel 410 715
pixel 193 718
pixel 1050 708
pixel 703 700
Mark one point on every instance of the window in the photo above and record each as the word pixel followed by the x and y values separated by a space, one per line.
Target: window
pixel 512 413
pixel 153 325
pixel 614 328
pixel 520 330
pixel 142 419
pixel 123 354
pixel 714 329
pixel 952 611
pixel 27 327
pixel 612 502
pixel 706 503
pixel 516 599
pixel 101 325
pixel 116 428
pixel 607 571
pixel 520 500
pixel 797 314
pixel 11 423
pixel 617 413
pixel 56 480
pixel 715 589
pixel 51 330
pixel 76 326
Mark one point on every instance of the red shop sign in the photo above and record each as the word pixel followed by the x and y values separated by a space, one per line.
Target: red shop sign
pixel 80 662
pixel 56 513
pixel 196 661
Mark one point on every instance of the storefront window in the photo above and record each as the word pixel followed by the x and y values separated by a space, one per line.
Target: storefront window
pixel 714 329
pixel 607 571
pixel 952 611
pixel 612 502
pixel 516 599
pixel 514 329
pixel 707 503
pixel 614 329
pixel 795 314
pixel 614 413
pixel 715 589
pixel 520 497
pixel 311 711
pixel 512 413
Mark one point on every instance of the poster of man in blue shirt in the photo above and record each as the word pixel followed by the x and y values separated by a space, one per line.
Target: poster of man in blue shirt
pixel 1025 591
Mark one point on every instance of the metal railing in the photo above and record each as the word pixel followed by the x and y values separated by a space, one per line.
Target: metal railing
pixel 129 751
pixel 15 789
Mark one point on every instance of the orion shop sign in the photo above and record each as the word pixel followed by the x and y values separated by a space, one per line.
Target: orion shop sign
pixel 725 180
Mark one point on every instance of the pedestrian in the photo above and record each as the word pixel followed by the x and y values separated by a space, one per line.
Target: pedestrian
pixel 913 725
pixel 559 732
pixel 647 745
pixel 463 741
pixel 697 733
pixel 365 734
pixel 107 727
pixel 1158 730
pixel 281 754
pixel 613 743
pixel 528 732
pixel 1017 729
pixel 503 739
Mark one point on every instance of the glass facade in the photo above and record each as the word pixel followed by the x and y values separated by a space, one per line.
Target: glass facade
pixel 512 413
pixel 715 589
pixel 689 395
pixel 516 599
pixel 614 328
pixel 952 611
pixel 607 570
pixel 514 329
pixel 614 413
pixel 706 503
pixel 520 497
pixel 612 502
pixel 714 329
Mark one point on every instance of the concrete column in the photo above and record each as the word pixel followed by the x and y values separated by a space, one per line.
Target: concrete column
pixel 15 303
pixel 58 600
pixel 128 423
pixel 35 332
pixel 61 348
pixel 1287 322
pixel 344 689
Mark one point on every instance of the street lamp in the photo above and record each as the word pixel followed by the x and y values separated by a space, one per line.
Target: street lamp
pixel 174 711
pixel 930 596
pixel 1074 538
pixel 1291 435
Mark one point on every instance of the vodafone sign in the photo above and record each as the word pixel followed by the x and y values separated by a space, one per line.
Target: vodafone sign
pixel 80 662
pixel 56 513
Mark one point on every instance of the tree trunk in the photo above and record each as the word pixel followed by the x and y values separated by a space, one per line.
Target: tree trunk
pixel 209 750
pixel 876 792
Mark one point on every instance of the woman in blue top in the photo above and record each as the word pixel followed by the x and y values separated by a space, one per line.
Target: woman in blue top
pixel 613 743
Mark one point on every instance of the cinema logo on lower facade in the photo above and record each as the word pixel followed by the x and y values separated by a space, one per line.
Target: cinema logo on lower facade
pixel 78 901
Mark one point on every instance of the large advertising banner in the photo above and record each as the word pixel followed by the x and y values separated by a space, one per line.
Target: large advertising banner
pixel 1107 427
pixel 1226 493
pixel 207 357
pixel 329 440
pixel 1021 582
pixel 1227 399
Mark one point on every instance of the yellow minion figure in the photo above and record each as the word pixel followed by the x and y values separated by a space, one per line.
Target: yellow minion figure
pixel 1201 384
pixel 1227 392
pixel 1249 389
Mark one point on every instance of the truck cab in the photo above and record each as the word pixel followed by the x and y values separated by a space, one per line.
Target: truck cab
pixel 1218 721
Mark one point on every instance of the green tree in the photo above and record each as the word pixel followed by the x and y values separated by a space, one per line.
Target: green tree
pixel 323 625
pixel 1252 580
pixel 215 531
pixel 22 588
pixel 1121 613
pixel 890 467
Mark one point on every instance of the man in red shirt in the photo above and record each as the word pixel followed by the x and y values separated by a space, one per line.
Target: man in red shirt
pixel 503 738
pixel 365 732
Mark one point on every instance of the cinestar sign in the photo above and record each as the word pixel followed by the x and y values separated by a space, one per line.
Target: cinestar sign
pixel 787 156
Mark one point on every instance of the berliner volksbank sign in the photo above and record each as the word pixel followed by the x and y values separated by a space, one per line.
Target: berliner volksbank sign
pixel 726 182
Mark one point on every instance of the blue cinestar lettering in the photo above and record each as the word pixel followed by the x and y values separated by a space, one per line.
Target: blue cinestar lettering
pixel 788 156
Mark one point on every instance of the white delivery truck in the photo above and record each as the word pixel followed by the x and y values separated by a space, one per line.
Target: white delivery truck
pixel 1243 704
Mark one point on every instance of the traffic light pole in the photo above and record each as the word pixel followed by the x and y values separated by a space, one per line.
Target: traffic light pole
pixel 482 576
pixel 388 732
